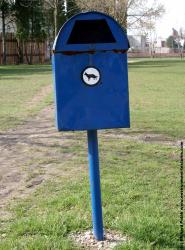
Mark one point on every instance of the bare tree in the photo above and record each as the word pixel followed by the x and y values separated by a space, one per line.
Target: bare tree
pixel 55 6
pixel 3 8
pixel 7 22
pixel 179 38
pixel 129 13
pixel 4 15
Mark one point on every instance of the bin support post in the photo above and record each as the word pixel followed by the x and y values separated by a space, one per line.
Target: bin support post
pixel 95 184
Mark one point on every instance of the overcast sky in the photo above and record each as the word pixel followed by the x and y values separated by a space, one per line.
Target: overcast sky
pixel 173 18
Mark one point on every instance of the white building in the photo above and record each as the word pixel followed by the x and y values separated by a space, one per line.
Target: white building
pixel 138 42
pixel 159 46
pixel 141 43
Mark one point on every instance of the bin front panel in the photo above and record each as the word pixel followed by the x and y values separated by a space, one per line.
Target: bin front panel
pixel 83 107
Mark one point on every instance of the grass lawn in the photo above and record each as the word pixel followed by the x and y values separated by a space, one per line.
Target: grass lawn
pixel 18 85
pixel 140 199
pixel 140 181
pixel 157 93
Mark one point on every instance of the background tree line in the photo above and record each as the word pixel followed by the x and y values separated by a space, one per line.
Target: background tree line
pixel 40 20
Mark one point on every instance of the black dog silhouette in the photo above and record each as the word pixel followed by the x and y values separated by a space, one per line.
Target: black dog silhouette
pixel 89 76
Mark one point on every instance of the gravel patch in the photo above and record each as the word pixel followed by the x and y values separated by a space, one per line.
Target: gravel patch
pixel 86 240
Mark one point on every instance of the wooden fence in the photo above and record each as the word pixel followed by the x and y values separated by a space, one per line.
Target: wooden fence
pixel 35 52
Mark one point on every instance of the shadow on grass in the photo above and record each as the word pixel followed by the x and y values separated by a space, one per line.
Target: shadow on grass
pixel 12 70
pixel 9 77
pixel 155 63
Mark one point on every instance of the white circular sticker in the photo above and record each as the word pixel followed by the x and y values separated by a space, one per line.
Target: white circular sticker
pixel 91 76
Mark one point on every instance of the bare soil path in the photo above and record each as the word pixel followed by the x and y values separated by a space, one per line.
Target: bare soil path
pixel 30 154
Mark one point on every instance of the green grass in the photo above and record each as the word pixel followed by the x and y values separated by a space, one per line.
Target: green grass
pixel 157 90
pixel 140 181
pixel 140 199
pixel 18 85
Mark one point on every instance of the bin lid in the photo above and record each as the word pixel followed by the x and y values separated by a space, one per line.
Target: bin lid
pixel 90 32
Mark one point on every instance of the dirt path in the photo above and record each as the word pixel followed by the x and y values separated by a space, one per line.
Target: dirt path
pixel 32 152
pixel 45 91
pixel 145 137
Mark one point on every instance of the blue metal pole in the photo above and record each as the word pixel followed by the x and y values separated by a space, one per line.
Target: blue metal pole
pixel 95 184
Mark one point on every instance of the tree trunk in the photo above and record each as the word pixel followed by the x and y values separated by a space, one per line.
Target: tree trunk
pixel 31 45
pixel 125 24
pixel 26 53
pixel 39 52
pixel 31 52
pixel 50 49
pixel 115 9
pixel 3 37
pixel 55 20
pixel 20 51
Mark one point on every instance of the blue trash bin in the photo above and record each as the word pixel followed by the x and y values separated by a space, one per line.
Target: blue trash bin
pixel 90 74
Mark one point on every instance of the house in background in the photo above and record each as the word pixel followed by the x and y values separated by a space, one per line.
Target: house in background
pixel 143 44
pixel 138 43
pixel 160 46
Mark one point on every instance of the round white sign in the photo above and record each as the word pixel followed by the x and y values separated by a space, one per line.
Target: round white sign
pixel 91 76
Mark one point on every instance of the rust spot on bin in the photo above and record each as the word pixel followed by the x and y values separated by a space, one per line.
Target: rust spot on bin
pixel 71 53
